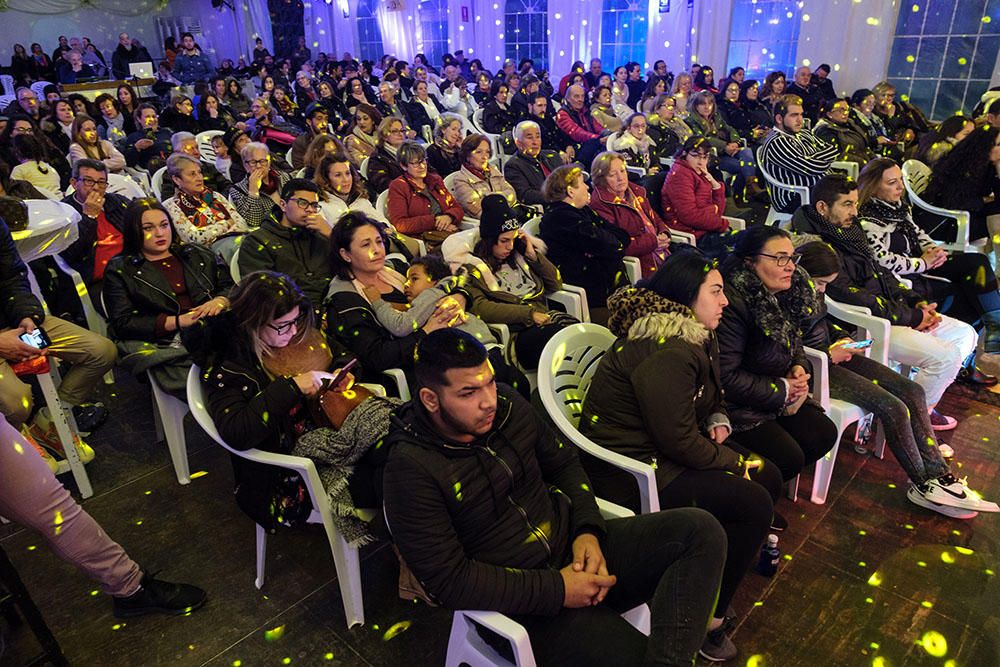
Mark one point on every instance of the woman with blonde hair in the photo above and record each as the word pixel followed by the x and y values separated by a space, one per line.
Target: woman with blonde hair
pixel 360 139
pixel 87 144
pixel 383 164
pixel 320 147
pixel 681 91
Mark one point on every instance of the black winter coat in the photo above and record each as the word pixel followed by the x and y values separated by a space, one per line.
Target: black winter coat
pixel 383 169
pixel 299 253
pixel 487 524
pixel 136 293
pixel 526 176
pixel 497 120
pixel 862 281
pixel 587 249
pixel 18 302
pixel 80 255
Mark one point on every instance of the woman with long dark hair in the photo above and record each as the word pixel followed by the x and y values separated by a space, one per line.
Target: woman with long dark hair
pixel 155 288
pixel 665 328
pixel 765 371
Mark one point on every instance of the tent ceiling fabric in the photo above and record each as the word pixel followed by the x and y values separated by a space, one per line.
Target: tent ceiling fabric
pixel 114 7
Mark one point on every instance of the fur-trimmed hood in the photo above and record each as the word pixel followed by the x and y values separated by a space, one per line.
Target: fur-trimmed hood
pixel 626 142
pixel 641 313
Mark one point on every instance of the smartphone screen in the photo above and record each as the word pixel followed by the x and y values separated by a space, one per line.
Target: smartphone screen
pixel 860 345
pixel 36 339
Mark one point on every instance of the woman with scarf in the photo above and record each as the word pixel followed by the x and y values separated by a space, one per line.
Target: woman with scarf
pixel 383 164
pixel 638 148
pixel 477 178
pixel 361 140
pixel 909 252
pixel 896 401
pixel 442 155
pixel 666 128
pixel 601 111
pixel 625 205
pixel 264 363
pixel 665 328
pixel 200 215
pixel 938 345
pixel 765 372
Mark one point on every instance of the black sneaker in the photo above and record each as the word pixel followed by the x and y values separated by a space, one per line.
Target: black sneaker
pixel 89 416
pixel 778 522
pixel 718 647
pixel 159 596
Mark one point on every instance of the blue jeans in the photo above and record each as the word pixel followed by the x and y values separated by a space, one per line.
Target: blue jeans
pixel 742 165
pixel 671 559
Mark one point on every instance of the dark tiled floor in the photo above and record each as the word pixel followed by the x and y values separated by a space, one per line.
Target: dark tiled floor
pixel 935 602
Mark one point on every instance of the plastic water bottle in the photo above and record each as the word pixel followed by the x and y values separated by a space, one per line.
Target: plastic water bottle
pixel 767 565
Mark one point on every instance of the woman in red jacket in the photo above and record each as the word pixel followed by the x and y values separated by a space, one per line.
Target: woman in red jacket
pixel 625 205
pixel 419 203
pixel 693 200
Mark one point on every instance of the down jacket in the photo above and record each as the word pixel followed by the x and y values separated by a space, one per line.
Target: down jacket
pixel 487 524
pixel 410 210
pixel 643 241
pixel 689 202
pixel 630 410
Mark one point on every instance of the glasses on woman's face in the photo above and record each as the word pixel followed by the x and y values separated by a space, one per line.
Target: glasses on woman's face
pixel 782 260
pixel 418 162
pixel 258 163
pixel 396 130
pixel 283 328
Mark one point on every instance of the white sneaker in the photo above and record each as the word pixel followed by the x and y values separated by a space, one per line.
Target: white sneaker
pixel 954 492
pixel 916 497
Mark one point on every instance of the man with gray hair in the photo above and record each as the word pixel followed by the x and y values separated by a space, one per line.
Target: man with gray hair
pixel 187 144
pixel 527 170
pixel 260 191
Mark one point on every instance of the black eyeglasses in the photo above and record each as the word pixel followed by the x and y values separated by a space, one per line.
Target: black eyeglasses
pixel 282 329
pixel 782 260
pixel 305 204
pixel 91 183
pixel 258 163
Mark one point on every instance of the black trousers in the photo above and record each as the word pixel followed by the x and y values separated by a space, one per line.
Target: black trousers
pixel 529 343
pixel 672 560
pixel 792 442
pixel 973 286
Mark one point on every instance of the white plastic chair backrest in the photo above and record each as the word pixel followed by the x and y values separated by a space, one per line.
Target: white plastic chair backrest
pixel 533 227
pixel 234 266
pixel 566 369
pixel 47 211
pixel 364 168
pixel 477 121
pixel 124 186
pixel 6 100
pixel 455 244
pixel 288 156
pixel 8 84
pixel 382 204
pixel 38 88
pixel 205 147
pixel 916 175
pixel 449 181
pixel 802 191
pixel 157 183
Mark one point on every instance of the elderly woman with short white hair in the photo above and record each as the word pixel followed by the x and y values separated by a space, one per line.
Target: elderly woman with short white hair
pixel 201 215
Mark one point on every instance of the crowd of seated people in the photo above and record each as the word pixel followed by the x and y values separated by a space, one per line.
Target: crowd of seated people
pixel 418 216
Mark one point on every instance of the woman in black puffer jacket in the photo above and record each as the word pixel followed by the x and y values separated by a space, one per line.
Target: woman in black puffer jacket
pixel 765 372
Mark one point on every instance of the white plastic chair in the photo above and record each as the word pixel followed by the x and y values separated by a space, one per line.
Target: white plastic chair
pixel 363 169
pixel 850 168
pixel 38 88
pixel 915 178
pixel 234 266
pixel 6 101
pixel 566 368
pixel 205 147
pixel 168 413
pixel 773 215
pixel 8 85
pixel 466 647
pixel 124 186
pixel 633 269
pixel 612 145
pixel 157 182
pixel 382 204
pixel 345 556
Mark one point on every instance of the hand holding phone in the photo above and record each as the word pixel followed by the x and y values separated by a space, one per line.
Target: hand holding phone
pixel 340 376
pixel 37 338
pixel 859 344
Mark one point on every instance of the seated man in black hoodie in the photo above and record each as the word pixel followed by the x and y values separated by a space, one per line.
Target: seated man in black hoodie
pixel 491 511
pixel 527 169
pixel 297 244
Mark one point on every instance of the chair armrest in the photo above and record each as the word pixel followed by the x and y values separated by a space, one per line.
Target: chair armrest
pixel 633 268
pixel 574 299
pixel 667 161
pixel 962 218
pixel 737 224
pixel 609 510
pixel 506 627
pixel 502 332
pixel 683 237
pixel 639 171
pixel 644 474
pixel 820 377
pixel 468 223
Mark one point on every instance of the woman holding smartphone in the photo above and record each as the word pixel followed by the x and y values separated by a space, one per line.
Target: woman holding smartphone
pixel 898 402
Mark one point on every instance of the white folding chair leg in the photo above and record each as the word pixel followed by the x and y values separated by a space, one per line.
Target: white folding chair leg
pixel 65 434
pixel 95 322
pixel 823 474
pixel 171 411
pixel 348 564
pixel 792 489
pixel 261 556
pixel 465 646
pixel 157 421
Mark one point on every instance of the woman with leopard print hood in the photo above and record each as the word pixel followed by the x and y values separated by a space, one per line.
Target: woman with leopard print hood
pixel 657 397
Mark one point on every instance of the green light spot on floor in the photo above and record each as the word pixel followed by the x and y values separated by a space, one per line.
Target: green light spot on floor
pixel 286 661
pixel 237 663
pixel 274 634
pixel 964 551
pixel 200 473
pixel 396 630
pixel 861 563
pixel 989 572
pixel 875 579
pixel 908 526
pixel 328 656
pixel 874 646
pixel 788 556
pixel 94 593
pixel 862 533
pixel 921 563
pixel 927 604
pixel 758 603
pixel 869 600
pixel 756 661
pixel 947 557
pixel 149 493
pixel 892 486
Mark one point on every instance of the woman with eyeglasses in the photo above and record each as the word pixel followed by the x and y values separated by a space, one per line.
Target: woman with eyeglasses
pixel 383 164
pixel 764 370
pixel 665 126
pixel 361 139
pixel 155 288
pixel 88 144
pixel 419 203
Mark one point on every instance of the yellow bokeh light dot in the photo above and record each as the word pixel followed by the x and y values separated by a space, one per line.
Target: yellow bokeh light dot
pixel 915 8
pixel 934 643
pixel 910 59
pixel 962 61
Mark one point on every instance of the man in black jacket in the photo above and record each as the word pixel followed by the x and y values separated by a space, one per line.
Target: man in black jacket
pixel 527 170
pixel 491 511
pixel 296 245
pixel 102 221
pixel 149 146
pixel 126 54
pixel 90 354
